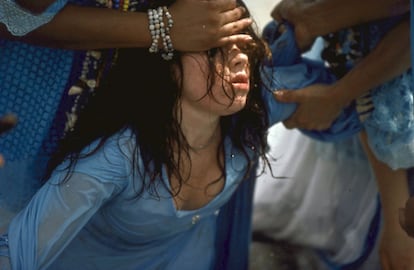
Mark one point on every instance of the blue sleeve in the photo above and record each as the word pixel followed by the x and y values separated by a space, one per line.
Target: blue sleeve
pixel 20 21
pixel 58 211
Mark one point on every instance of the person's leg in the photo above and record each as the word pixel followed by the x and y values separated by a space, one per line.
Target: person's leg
pixel 395 247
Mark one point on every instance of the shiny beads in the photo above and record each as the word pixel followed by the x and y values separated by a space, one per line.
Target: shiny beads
pixel 160 23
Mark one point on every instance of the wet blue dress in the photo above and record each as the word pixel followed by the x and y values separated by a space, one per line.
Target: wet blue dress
pixel 91 222
pixel 42 86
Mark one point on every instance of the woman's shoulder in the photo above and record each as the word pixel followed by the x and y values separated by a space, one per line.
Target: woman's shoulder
pixel 112 161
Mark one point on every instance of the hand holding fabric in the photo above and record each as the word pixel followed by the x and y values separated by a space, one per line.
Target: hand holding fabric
pixel 317 108
pixel 293 11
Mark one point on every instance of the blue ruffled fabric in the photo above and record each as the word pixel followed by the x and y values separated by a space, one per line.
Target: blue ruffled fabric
pixel 289 70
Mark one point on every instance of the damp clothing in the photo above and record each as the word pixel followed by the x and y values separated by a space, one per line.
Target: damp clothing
pixel 386 112
pixel 288 69
pixel 93 221
pixel 45 88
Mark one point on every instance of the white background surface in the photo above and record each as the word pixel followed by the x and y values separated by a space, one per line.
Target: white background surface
pixel 260 10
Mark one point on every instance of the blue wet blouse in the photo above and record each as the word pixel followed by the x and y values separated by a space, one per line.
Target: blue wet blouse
pixel 92 221
pixel 31 76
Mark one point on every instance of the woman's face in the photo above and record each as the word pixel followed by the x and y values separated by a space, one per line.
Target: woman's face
pixel 231 85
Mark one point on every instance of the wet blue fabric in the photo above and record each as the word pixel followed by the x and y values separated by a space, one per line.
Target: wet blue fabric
pixel 234 230
pixel 390 124
pixel 91 222
pixel 289 70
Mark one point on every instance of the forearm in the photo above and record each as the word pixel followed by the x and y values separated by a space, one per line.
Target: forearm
pixel 93 28
pixel 35 6
pixel 388 60
pixel 326 16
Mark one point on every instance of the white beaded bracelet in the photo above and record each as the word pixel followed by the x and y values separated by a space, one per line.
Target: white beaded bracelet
pixel 158 29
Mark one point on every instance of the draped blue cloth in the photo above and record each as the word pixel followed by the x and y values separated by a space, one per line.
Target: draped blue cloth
pixel 389 126
pixel 289 70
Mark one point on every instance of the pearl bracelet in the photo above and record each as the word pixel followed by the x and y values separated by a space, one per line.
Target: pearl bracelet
pixel 158 29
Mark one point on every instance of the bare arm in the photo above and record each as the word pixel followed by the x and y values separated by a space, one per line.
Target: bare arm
pixel 319 105
pixel 35 6
pixel 389 59
pixel 78 27
pixel 396 247
pixel 313 18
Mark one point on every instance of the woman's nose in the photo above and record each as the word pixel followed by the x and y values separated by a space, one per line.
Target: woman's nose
pixel 237 57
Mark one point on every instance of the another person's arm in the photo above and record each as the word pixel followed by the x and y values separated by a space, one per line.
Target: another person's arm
pixel 319 17
pixel 319 105
pixel 198 25
pixel 407 217
pixel 395 247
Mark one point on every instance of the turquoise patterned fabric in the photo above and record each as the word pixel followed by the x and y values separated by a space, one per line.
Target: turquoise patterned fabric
pixel 34 85
pixel 20 21
pixel 32 80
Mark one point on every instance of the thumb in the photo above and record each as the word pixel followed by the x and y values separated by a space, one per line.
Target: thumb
pixel 285 96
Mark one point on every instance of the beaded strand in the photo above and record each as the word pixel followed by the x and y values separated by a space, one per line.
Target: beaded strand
pixel 160 29
pixel 93 66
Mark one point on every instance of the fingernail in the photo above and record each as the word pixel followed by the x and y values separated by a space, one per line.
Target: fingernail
pixel 278 93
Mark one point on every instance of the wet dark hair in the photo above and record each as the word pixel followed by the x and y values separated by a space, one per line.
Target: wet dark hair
pixel 141 93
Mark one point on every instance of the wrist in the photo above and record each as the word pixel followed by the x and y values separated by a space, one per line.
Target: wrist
pixel 315 19
pixel 340 96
